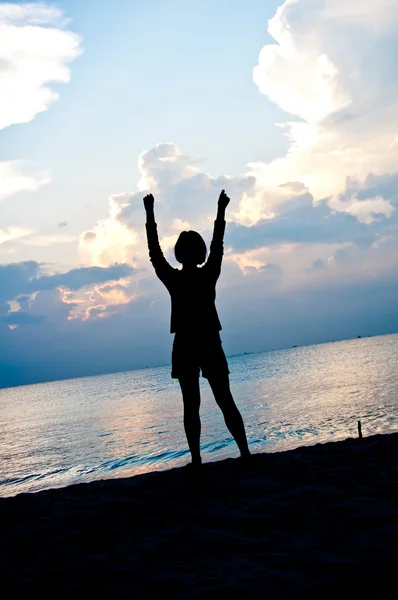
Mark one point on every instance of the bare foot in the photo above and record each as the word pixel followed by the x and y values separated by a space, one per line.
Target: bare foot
pixel 195 464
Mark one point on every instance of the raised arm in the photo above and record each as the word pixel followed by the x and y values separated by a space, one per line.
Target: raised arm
pixel 162 268
pixel 214 261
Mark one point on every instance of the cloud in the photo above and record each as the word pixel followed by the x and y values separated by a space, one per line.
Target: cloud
pixel 48 240
pixel 137 335
pixel 14 178
pixel 22 318
pixel 185 197
pixel 35 50
pixel 371 200
pixel 301 224
pixel 182 190
pixel 13 233
pixel 282 226
pixel 88 236
pixel 27 237
pixel 296 73
pixel 368 14
pixel 63 224
pixel 22 281
pixel 319 264
pixel 333 66
pixel 109 241
pixel 335 220
pixel 76 279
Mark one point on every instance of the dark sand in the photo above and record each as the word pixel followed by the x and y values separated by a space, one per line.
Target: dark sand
pixel 316 521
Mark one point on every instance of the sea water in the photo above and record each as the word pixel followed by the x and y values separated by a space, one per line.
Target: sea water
pixel 64 432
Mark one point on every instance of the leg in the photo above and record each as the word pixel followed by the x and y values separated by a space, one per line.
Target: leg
pixel 191 398
pixel 233 419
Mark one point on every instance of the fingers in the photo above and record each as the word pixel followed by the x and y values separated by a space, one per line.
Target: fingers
pixel 149 199
pixel 224 199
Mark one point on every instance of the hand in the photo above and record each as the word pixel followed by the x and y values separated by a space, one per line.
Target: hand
pixel 149 202
pixel 223 200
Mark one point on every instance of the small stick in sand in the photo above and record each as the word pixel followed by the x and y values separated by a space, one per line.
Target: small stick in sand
pixel 360 429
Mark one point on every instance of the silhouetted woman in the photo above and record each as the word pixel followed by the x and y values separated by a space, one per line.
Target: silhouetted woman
pixel 194 320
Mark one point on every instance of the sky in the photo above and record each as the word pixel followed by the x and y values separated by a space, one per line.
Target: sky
pixel 292 107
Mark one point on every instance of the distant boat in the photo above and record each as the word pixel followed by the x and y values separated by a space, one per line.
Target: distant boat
pixel 359 337
pixel 294 346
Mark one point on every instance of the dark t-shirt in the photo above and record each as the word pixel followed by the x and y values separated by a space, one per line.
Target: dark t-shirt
pixel 193 292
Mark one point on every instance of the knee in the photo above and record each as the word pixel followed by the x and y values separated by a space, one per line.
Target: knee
pixel 226 402
pixel 191 408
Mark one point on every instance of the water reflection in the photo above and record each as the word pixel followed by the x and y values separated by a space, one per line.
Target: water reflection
pixel 115 425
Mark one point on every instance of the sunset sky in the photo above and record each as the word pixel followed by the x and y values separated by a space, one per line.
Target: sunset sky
pixel 291 107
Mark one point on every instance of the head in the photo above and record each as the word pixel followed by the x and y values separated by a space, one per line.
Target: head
pixel 190 248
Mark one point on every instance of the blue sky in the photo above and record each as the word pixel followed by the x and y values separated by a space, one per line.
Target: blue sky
pixel 291 106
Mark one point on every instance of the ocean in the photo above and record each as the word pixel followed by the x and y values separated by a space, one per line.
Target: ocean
pixel 60 433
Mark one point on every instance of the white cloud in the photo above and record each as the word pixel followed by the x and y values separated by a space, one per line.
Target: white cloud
pixel 382 239
pixel 108 241
pixel 182 190
pixel 296 73
pixel 13 233
pixel 366 211
pixel 334 67
pixel 80 290
pixel 274 253
pixel 43 241
pixel 35 50
pixel 364 13
pixel 185 196
pixel 15 178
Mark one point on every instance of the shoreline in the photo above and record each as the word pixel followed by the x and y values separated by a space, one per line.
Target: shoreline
pixel 296 523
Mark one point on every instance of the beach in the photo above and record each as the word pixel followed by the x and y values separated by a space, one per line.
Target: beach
pixel 315 520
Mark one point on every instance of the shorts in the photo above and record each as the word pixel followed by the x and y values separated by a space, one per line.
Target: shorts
pixel 195 352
